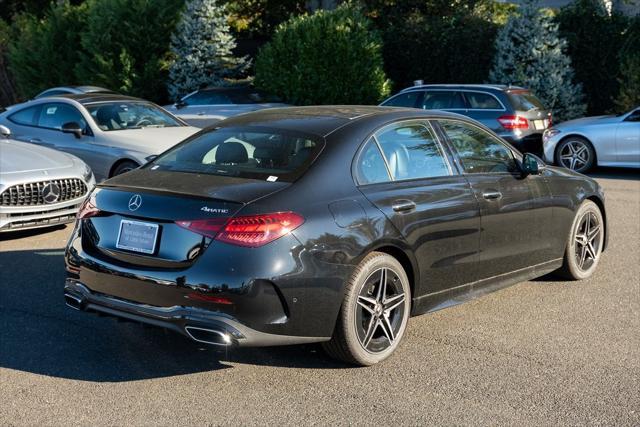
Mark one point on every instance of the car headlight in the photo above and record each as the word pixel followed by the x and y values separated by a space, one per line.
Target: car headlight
pixel 87 173
pixel 549 133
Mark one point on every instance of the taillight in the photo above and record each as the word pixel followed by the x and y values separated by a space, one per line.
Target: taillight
pixel 206 227
pixel 513 122
pixel 249 231
pixel 550 120
pixel 88 208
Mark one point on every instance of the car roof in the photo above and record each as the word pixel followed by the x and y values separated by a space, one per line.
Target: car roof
pixel 326 119
pixel 494 87
pixel 91 98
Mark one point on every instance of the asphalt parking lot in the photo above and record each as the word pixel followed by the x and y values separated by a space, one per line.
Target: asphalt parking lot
pixel 542 352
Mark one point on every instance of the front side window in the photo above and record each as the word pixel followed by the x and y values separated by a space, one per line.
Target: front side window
pixel 407 99
pixel 267 154
pixel 443 100
pixel 54 115
pixel 482 101
pixel 27 116
pixel 114 116
pixel 479 151
pixel 412 152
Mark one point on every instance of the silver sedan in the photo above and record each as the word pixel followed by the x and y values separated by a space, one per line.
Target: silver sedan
pixel 111 133
pixel 39 187
pixel 603 141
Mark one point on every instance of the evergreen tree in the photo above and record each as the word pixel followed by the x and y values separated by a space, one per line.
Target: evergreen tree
pixel 530 53
pixel 202 46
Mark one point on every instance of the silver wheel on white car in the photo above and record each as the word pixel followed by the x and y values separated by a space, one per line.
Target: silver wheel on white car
pixel 576 153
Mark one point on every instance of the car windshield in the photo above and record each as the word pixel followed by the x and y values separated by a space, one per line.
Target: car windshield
pixel 257 153
pixel 122 115
pixel 525 101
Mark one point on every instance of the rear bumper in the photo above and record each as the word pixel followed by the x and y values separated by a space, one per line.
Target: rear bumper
pixel 531 143
pixel 198 324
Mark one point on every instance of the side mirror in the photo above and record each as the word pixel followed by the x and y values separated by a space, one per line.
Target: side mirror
pixel 74 128
pixel 532 164
pixel 5 132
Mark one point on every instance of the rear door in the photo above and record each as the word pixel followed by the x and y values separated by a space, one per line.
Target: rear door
pixel 405 171
pixel 446 100
pixel 515 211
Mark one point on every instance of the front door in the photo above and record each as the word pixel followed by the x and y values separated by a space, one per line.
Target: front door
pixel 406 173
pixel 515 211
pixel 628 139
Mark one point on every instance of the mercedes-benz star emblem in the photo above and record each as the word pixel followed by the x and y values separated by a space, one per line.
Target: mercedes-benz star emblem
pixel 50 193
pixel 135 202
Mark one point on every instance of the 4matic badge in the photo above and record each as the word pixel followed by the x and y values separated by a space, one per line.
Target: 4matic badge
pixel 214 210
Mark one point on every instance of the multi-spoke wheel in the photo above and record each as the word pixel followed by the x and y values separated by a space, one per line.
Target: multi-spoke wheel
pixel 374 313
pixel 585 242
pixel 576 153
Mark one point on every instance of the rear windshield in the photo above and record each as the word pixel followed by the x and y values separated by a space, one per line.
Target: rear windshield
pixel 272 155
pixel 525 101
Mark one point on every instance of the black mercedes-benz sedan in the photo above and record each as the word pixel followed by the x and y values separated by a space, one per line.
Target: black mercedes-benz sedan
pixel 327 224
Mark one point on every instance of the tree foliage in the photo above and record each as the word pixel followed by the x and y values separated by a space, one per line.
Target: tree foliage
pixel 594 41
pixel 202 49
pixel 44 51
pixel 329 57
pixel 628 96
pixel 530 52
pixel 126 43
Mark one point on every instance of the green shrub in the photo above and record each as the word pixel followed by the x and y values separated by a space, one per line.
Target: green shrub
pixel 126 44
pixel 330 57
pixel 594 40
pixel 45 51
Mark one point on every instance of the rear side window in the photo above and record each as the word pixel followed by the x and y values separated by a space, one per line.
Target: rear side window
pixel 371 168
pixel 479 151
pixel 482 101
pixel 412 151
pixel 407 99
pixel 26 117
pixel 525 101
pixel 267 154
pixel 443 100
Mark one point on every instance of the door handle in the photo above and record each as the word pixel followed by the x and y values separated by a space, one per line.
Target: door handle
pixel 491 194
pixel 403 206
pixel 35 140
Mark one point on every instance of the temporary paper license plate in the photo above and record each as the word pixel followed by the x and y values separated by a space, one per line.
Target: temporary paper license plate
pixel 137 236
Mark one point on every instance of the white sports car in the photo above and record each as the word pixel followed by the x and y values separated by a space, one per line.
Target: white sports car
pixel 603 141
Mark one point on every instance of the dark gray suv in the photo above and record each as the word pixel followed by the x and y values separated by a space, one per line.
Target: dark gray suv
pixel 512 112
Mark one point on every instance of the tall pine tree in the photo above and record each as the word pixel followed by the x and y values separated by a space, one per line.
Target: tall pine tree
pixel 530 53
pixel 202 47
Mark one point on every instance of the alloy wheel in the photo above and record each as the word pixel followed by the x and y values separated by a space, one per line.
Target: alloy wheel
pixel 380 310
pixel 575 155
pixel 587 241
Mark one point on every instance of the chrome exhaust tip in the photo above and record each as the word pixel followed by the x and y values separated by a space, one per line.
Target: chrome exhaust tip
pixel 209 336
pixel 73 301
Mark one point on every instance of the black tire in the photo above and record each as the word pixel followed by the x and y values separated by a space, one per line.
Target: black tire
pixel 124 167
pixel 372 319
pixel 585 243
pixel 576 153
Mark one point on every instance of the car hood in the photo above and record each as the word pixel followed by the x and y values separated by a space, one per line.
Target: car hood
pixel 588 121
pixel 18 157
pixel 149 140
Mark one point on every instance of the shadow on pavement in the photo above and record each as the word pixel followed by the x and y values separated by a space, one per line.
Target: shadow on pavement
pixel 616 173
pixel 39 334
pixel 21 234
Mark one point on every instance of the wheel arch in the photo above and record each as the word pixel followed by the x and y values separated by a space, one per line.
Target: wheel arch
pixel 118 162
pixel 409 265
